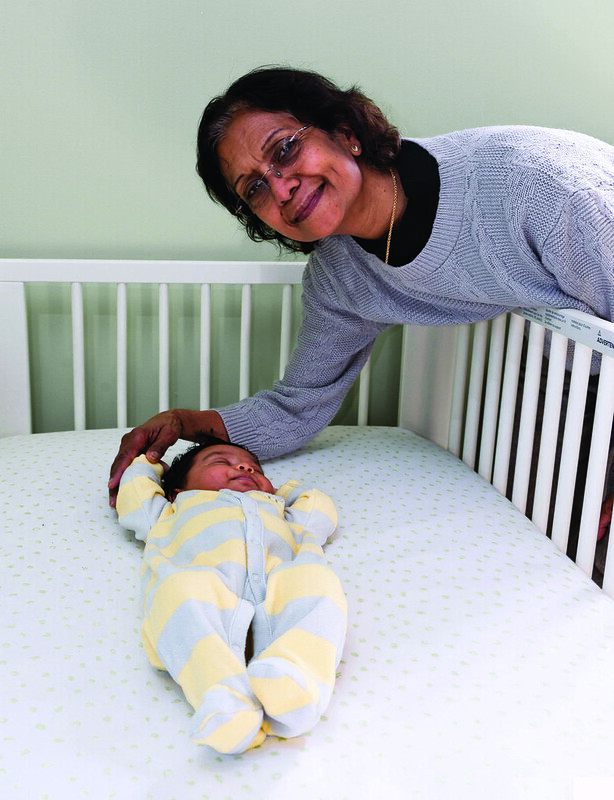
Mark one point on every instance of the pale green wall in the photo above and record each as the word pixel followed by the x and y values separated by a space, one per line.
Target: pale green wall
pixel 101 99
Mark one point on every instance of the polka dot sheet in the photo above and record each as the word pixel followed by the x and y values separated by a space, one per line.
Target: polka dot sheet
pixel 479 661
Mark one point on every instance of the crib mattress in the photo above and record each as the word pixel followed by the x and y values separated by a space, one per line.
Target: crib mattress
pixel 479 660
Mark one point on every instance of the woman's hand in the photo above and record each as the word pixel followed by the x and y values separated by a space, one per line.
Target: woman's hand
pixel 155 436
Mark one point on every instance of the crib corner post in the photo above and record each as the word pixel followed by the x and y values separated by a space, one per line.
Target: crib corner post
pixel 15 397
pixel 427 377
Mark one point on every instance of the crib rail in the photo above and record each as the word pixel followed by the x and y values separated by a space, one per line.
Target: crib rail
pixel 520 420
pixel 203 275
pixel 15 274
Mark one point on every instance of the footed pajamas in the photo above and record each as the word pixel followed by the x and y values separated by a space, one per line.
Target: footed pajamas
pixel 216 562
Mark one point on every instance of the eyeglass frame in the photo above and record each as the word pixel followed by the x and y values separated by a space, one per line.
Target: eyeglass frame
pixel 242 205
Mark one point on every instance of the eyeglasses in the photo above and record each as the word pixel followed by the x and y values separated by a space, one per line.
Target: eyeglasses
pixel 285 154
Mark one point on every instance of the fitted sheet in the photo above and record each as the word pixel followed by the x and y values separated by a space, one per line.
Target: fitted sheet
pixel 479 660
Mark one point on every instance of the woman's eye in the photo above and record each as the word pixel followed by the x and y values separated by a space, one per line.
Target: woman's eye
pixel 286 150
pixel 252 189
pixel 256 193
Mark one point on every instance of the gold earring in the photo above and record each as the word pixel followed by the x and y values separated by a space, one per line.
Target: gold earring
pixel 355 148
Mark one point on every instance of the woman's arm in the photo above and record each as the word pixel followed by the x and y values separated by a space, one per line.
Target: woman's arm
pixel 333 345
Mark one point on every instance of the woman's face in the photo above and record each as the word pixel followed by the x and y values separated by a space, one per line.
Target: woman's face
pixel 318 195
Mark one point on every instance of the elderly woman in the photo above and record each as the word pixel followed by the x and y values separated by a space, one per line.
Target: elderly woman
pixel 439 231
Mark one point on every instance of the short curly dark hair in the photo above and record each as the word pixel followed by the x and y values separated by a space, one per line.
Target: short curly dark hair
pixel 313 100
pixel 174 478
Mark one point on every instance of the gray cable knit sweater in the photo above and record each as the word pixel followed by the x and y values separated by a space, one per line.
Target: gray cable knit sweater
pixel 525 219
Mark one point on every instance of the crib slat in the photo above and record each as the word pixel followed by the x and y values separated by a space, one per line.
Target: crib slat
pixel 78 349
pixel 285 335
pixel 528 416
pixel 600 446
pixel 205 346
pixel 122 357
pixel 492 395
pixel 244 361
pixel 571 445
pixel 608 574
pixel 474 395
pixel 364 383
pixel 163 354
pixel 457 411
pixel 508 403
pixel 550 430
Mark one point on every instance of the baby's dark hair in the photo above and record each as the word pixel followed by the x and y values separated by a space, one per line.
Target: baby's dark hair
pixel 175 477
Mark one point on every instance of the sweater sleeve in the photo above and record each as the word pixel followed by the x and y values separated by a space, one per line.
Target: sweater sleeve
pixel 310 508
pixel 140 500
pixel 333 346
pixel 580 249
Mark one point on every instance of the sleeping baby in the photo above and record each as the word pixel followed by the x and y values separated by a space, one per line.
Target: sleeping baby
pixel 240 606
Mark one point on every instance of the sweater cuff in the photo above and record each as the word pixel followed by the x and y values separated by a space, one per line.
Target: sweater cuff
pixel 239 427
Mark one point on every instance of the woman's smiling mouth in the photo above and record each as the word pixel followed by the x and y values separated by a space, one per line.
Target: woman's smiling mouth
pixel 309 205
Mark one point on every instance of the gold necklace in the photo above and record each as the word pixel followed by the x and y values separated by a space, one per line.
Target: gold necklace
pixel 392 216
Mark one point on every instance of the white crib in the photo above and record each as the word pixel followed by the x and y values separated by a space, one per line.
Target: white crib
pixel 479 656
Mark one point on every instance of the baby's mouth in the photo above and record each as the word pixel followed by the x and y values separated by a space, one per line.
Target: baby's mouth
pixel 245 477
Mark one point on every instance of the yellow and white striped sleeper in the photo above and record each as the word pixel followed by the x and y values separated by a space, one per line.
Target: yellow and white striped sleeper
pixel 216 562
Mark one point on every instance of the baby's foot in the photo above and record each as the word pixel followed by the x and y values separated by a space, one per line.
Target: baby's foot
pixel 293 702
pixel 228 721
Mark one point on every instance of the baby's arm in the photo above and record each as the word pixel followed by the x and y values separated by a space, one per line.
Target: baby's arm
pixel 140 501
pixel 310 508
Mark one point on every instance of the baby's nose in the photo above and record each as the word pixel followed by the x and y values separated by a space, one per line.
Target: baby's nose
pixel 246 467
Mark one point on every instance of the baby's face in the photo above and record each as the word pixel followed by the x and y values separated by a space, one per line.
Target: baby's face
pixel 227 467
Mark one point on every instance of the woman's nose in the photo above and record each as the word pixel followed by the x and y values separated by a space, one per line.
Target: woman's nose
pixel 281 186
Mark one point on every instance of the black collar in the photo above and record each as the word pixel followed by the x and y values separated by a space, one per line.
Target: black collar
pixel 419 174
